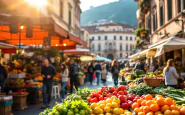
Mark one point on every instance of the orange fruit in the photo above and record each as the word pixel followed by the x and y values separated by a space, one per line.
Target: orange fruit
pixel 182 111
pixel 150 113
pixel 160 101
pixel 114 105
pixel 154 107
pixel 164 108
pixel 107 109
pixel 148 97
pixel 168 112
pixel 141 113
pixel 168 101
pixel 136 110
pixel 157 113
pixel 108 114
pixel 159 96
pixel 139 101
pixel 175 112
pixel 143 103
pixel 149 102
pixel 135 105
pixel 173 107
pixel 146 109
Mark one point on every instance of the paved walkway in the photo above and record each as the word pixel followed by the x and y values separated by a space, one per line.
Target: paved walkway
pixel 35 109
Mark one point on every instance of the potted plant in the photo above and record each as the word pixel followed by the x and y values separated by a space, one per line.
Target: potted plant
pixel 145 6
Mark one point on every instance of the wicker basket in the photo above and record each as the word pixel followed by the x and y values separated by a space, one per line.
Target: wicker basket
pixel 153 82
pixel 20 102
pixel 5 107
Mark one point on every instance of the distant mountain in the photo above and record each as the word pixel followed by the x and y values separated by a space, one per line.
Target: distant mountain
pixel 123 11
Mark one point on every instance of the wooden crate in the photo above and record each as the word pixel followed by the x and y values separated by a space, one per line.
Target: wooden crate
pixel 6 107
pixel 20 102
pixel 153 82
pixel 35 96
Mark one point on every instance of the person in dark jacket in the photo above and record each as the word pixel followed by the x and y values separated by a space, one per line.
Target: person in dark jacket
pixel 73 74
pixel 115 72
pixel 91 72
pixel 48 72
pixel 3 76
pixel 98 72
pixel 141 65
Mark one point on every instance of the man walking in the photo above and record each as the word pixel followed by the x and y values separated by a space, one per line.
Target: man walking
pixel 73 74
pixel 98 72
pixel 3 76
pixel 48 72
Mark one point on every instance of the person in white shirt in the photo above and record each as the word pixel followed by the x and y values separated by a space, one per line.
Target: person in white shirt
pixel 170 74
pixel 64 79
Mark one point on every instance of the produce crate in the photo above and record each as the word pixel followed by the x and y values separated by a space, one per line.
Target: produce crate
pixel 153 82
pixel 20 102
pixel 6 107
pixel 35 96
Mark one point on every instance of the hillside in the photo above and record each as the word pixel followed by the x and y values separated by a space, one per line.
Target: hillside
pixel 123 11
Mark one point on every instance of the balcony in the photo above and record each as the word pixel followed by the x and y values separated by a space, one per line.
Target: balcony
pixel 108 50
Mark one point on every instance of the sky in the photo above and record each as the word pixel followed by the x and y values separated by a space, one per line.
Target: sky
pixel 86 4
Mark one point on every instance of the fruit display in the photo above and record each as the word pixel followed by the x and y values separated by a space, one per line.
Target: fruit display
pixel 15 71
pixel 159 105
pixel 38 78
pixel 122 72
pixel 15 82
pixel 20 92
pixel 30 84
pixel 84 93
pixel 108 107
pixel 69 107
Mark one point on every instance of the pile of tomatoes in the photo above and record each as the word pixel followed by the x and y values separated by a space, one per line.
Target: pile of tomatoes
pixel 126 100
pixel 110 106
pixel 147 105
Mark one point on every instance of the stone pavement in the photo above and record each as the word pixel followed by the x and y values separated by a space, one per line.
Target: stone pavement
pixel 35 109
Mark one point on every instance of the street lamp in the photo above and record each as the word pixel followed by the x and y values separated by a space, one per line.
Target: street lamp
pixel 177 20
pixel 63 52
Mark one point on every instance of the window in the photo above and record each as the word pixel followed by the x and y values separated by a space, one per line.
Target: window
pixel 121 48
pixel 179 6
pixel 120 38
pixel 110 46
pixel 127 47
pixel 99 47
pixel 92 38
pixel 131 47
pixel 161 14
pixel 169 9
pixel 99 37
pixel 130 38
pixel 148 24
pixel 154 19
pixel 92 47
pixel 70 16
pixel 114 37
pixel 61 9
pixel 121 55
pixel 105 37
pixel 127 38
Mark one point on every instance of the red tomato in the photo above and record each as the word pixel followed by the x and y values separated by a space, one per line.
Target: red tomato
pixel 125 106
pixel 101 97
pixel 89 99
pixel 125 92
pixel 121 92
pixel 109 95
pixel 130 103
pixel 111 89
pixel 122 98
pixel 121 88
pixel 104 93
pixel 94 100
pixel 115 93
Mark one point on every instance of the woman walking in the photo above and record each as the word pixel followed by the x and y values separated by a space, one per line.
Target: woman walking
pixel 104 73
pixel 91 72
pixel 115 72
pixel 170 74
pixel 64 78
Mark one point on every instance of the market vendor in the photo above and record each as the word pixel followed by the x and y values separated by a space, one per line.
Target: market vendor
pixel 48 72
pixel 170 74
pixel 3 76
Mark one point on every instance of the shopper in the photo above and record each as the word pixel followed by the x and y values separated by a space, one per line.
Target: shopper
pixel 104 73
pixel 141 65
pixel 48 72
pixel 73 74
pixel 3 76
pixel 156 66
pixel 170 74
pixel 64 79
pixel 91 72
pixel 115 72
pixel 98 72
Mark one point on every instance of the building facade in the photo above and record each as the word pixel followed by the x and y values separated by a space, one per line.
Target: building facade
pixel 165 20
pixel 85 36
pixel 112 40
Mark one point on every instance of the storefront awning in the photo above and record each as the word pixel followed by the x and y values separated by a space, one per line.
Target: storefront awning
pixel 167 45
pixel 77 51
pixel 139 54
pixel 7 48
